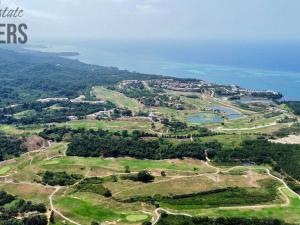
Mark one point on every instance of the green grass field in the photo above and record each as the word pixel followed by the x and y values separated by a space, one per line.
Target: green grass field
pixel 86 208
pixel 265 194
pixel 252 121
pixel 118 98
pixel 228 140
pixel 25 130
pixel 31 192
pixel 114 125
pixel 118 164
pixel 4 170
pixel 83 210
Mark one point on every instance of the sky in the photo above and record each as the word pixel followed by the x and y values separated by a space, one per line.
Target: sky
pixel 161 19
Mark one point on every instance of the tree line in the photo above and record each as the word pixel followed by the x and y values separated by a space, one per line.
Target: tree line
pixel 283 157
pixel 10 147
pixel 41 112
pixel 294 105
pixel 167 219
pixel 100 143
pixel 93 145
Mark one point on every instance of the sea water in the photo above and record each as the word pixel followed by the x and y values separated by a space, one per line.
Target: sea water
pixel 255 65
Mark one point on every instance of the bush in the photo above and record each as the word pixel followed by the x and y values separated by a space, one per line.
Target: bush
pixel 142 176
pixel 93 185
pixel 145 177
pixel 60 178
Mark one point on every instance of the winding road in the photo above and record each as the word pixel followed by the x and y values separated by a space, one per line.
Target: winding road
pixel 157 213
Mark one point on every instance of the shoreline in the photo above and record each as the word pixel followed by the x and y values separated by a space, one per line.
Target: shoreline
pixel 214 73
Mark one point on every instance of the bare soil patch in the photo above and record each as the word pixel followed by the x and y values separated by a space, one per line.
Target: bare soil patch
pixel 291 139
pixel 35 142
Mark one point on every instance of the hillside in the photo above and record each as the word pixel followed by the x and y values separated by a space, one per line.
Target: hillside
pixel 27 76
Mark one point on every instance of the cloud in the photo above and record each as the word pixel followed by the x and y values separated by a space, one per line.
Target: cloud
pixel 150 7
pixel 194 19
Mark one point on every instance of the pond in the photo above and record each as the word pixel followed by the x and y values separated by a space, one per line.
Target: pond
pixel 254 100
pixel 230 113
pixel 205 118
pixel 214 117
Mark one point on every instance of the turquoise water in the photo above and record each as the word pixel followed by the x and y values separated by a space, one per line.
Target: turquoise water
pixel 265 66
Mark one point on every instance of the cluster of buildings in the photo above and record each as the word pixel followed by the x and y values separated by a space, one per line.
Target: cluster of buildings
pixel 267 93
pixel 185 85
pixel 80 99
pixel 131 84
pixel 189 85
pixel 101 114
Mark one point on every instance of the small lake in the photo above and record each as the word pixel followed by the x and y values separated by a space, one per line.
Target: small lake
pixel 213 117
pixel 205 118
pixel 230 113
pixel 254 100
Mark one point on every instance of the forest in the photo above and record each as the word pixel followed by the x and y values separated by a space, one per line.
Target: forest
pixel 90 145
pixel 93 145
pixel 100 143
pixel 26 77
pixel 180 220
pixel 282 156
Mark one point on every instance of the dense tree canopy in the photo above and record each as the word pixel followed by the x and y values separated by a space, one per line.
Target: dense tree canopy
pixel 10 147
pixel 294 105
pixel 60 178
pixel 17 213
pixel 183 220
pixel 90 144
pixel 95 143
pixel 282 156
pixel 42 112
pixel 27 76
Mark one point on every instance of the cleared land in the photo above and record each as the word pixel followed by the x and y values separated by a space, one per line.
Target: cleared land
pixel 20 131
pixel 116 97
pixel 128 124
pixel 291 139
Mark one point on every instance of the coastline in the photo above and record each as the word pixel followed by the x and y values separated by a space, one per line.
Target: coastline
pixel 249 78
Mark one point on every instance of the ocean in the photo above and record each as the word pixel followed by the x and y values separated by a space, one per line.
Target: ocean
pixel 255 65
